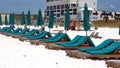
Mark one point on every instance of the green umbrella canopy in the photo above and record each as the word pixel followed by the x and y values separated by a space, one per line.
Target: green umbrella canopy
pixel 67 19
pixel 40 19
pixel 29 18
pixel 11 19
pixel 51 19
pixel 6 20
pixel 23 22
pixel 0 20
pixel 86 18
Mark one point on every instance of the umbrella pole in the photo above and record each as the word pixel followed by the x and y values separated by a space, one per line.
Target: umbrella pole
pixel 86 33
pixel 49 30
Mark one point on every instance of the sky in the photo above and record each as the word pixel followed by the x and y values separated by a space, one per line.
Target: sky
pixel 17 6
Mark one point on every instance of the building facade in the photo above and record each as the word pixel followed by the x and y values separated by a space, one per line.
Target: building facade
pixel 59 7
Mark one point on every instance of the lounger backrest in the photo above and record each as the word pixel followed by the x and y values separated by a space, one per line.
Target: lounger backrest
pixel 81 40
pixel 23 31
pixel 75 39
pixel 32 31
pixel 9 30
pixel 70 42
pixel 105 43
pixel 41 32
pixel 42 35
pixel 49 34
pixel 56 35
pixel 59 37
pixel 90 41
pixel 112 47
pixel 15 31
pixel 4 29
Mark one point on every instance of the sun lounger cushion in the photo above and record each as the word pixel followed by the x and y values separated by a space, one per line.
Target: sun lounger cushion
pixel 108 50
pixel 100 46
pixel 30 33
pixel 77 43
pixel 17 30
pixel 22 31
pixel 70 42
pixel 59 37
pixel 41 36
pixel 39 33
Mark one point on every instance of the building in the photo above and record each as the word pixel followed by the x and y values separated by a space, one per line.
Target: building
pixel 59 7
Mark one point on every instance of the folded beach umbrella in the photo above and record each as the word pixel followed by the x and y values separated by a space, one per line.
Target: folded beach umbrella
pixel 67 19
pixel 51 19
pixel 11 19
pixel 29 18
pixel 23 22
pixel 0 20
pixel 40 19
pixel 6 20
pixel 86 19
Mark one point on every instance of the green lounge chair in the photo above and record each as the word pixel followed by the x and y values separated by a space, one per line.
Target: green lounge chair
pixel 80 42
pixel 39 33
pixel 43 34
pixel 55 36
pixel 4 29
pixel 8 30
pixel 13 32
pixel 22 31
pixel 70 42
pixel 108 50
pixel 33 31
pixel 16 31
pixel 100 46
pixel 58 38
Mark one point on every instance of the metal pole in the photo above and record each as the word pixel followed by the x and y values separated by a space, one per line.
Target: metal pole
pixel 86 33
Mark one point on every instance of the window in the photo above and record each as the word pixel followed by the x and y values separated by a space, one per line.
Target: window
pixel 74 11
pixel 58 6
pixel 66 5
pixel 51 7
pixel 62 6
pixel 54 7
pixel 73 5
pixel 48 8
pixel 58 15
pixel 62 12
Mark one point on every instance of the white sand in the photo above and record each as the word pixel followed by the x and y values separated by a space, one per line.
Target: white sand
pixel 17 54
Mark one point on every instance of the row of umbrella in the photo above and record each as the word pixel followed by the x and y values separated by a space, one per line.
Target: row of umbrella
pixel 12 19
pixel 51 19
pixel 40 21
